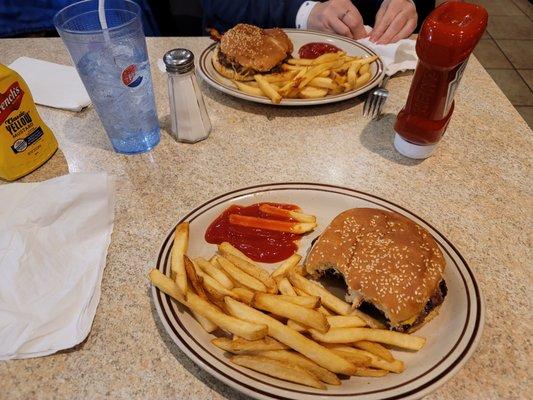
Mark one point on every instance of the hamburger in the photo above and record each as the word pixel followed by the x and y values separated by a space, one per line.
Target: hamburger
pixel 246 50
pixel 390 265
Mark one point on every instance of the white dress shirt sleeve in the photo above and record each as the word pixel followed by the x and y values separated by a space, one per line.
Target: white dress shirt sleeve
pixel 303 14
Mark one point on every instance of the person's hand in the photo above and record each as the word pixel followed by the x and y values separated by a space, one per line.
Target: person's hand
pixel 337 16
pixel 395 20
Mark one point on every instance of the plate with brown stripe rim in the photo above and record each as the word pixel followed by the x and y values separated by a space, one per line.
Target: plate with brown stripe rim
pixel 299 38
pixel 452 336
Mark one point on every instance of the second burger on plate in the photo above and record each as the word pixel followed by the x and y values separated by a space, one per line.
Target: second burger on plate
pixel 246 50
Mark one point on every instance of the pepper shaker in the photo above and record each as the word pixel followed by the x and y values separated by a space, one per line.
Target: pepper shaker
pixel 189 119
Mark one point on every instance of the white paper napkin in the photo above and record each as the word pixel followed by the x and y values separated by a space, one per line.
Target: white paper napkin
pixel 52 85
pixel 399 56
pixel 54 237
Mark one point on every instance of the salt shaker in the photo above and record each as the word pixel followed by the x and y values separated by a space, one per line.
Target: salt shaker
pixel 188 115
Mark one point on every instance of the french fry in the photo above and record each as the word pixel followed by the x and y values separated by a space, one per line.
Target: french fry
pixel 282 212
pixel 214 273
pixel 319 354
pixel 368 60
pixel 327 58
pixel 286 288
pixel 253 270
pixel 226 322
pixel 300 61
pixel 201 307
pixel 271 224
pixel 278 369
pixel 292 358
pixel 346 87
pixel 213 287
pixel 208 326
pixel 196 282
pixel 371 322
pixel 314 71
pixel 280 77
pixel 358 359
pixel 165 284
pixel 268 89
pixel 300 270
pixel 300 292
pixel 361 80
pixel 350 335
pixel 351 354
pixel 339 79
pixel 311 302
pixel 310 92
pixel 328 300
pixel 342 69
pixel 228 248
pixel 249 89
pixel 364 69
pixel 289 67
pixel 293 83
pixel 345 321
pixel 292 311
pixel 204 322
pixel 223 343
pixel 243 346
pixel 296 326
pixel 336 91
pixel 325 83
pixel 278 85
pixel 375 348
pixel 286 266
pixel 370 372
pixel 243 294
pixel 240 276
pixel 351 58
pixel 179 248
pixel 352 73
pixel 324 311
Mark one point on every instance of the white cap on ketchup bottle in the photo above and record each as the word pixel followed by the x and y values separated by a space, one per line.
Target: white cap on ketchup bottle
pixel 412 150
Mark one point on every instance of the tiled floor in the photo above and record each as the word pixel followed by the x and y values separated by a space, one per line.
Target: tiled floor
pixel 506 51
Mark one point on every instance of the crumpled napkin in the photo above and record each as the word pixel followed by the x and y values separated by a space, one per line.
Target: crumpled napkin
pixel 54 237
pixel 51 84
pixel 399 56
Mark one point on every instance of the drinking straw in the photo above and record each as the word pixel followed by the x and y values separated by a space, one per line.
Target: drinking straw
pixel 101 14
pixel 102 18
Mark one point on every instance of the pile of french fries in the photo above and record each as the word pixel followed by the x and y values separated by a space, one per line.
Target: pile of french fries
pixel 328 74
pixel 281 323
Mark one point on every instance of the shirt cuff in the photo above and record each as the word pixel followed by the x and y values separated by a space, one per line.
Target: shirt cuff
pixel 303 14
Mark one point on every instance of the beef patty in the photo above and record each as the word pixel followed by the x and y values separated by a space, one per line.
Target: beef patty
pixel 226 62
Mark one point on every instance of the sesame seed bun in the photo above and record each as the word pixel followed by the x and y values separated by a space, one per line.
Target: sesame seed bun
pixel 386 260
pixel 247 49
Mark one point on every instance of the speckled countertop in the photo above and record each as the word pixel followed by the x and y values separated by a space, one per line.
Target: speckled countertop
pixel 477 189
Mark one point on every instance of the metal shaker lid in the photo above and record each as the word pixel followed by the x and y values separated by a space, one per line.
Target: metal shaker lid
pixel 179 60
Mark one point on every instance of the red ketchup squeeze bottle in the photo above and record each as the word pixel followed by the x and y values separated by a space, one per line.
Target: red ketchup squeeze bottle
pixel 446 40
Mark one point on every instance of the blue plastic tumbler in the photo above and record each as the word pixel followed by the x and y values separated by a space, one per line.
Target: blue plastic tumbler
pixel 113 64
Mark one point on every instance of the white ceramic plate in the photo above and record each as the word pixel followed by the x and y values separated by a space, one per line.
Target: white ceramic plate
pixel 451 337
pixel 299 38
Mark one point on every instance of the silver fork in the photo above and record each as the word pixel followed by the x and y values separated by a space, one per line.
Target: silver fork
pixel 375 100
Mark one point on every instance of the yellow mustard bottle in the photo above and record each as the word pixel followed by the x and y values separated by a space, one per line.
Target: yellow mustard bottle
pixel 26 142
